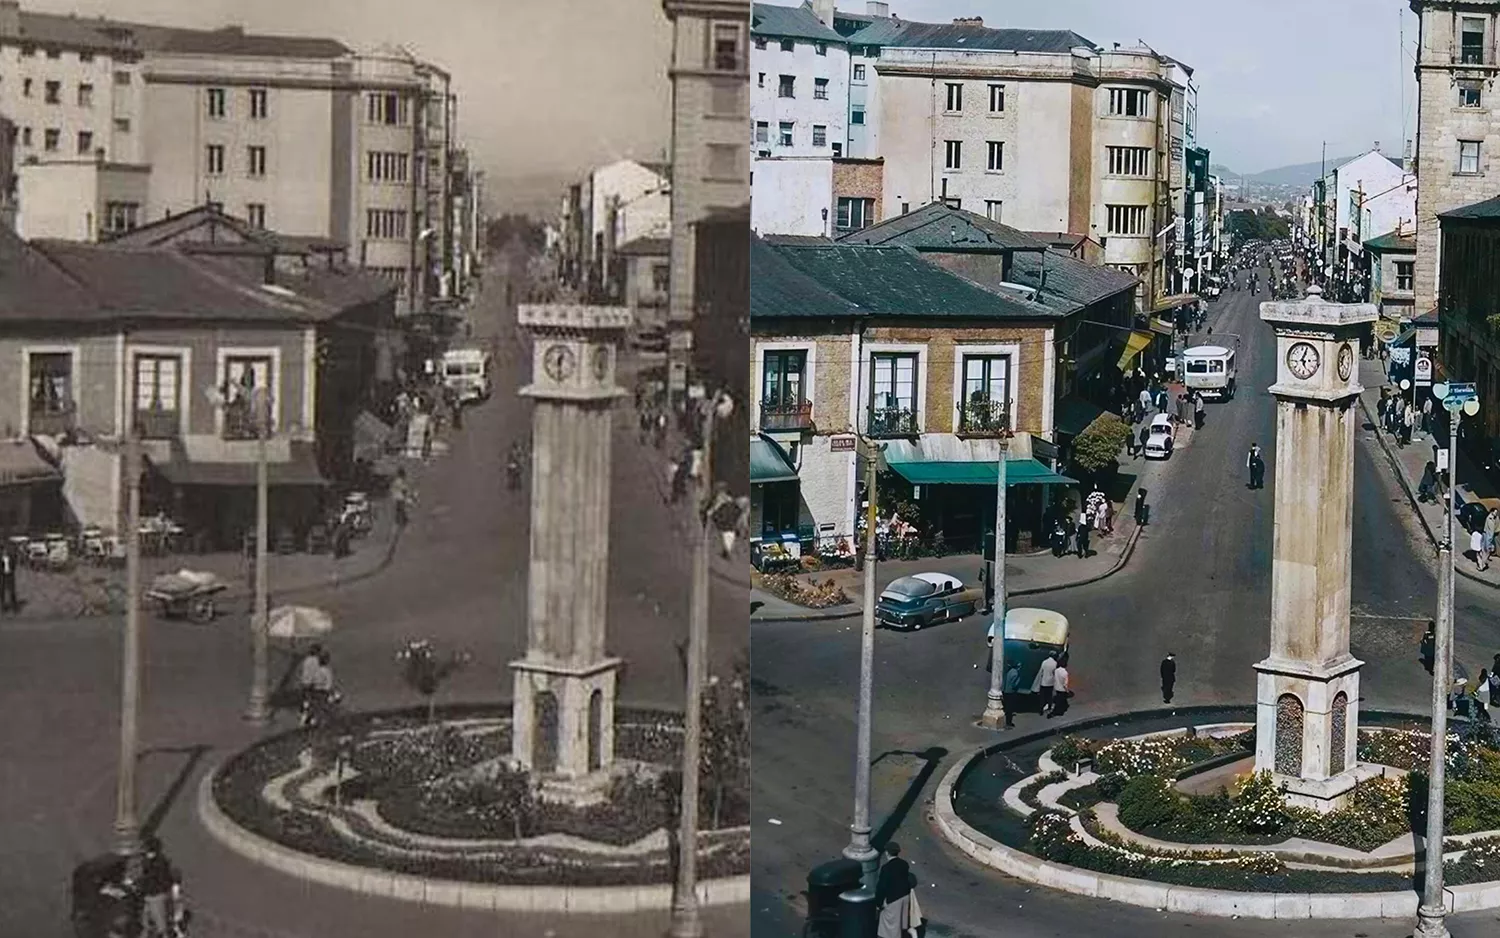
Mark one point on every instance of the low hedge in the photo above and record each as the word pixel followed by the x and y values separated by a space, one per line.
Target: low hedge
pixel 1157 755
pixel 1034 787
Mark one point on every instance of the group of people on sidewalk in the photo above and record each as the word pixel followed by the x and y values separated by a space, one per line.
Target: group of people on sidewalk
pixel 1470 699
pixel 1071 533
pixel 1401 418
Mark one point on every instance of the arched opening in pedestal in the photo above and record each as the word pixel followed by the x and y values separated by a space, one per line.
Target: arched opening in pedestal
pixel 1289 735
pixel 1338 735
pixel 545 754
pixel 596 730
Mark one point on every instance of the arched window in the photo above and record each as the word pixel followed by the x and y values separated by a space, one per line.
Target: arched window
pixel 1289 735
pixel 1338 738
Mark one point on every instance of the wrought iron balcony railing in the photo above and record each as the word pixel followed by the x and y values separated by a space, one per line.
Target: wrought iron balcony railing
pixel 981 418
pixel 796 416
pixel 157 423
pixel 893 422
pixel 51 422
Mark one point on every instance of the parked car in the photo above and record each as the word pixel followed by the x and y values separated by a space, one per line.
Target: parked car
pixel 1159 438
pixel 923 599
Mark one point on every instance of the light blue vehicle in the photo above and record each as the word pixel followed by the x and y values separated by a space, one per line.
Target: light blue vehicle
pixel 1031 635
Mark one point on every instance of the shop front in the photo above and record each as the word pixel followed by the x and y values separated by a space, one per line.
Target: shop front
pixel 30 490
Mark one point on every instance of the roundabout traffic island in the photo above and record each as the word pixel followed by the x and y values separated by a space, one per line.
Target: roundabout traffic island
pixel 1166 810
pixel 437 811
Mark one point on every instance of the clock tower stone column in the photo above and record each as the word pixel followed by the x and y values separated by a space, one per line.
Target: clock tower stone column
pixel 564 701
pixel 1307 689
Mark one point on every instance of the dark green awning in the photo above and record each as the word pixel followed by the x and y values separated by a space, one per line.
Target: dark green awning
pixel 1017 472
pixel 1074 414
pixel 769 463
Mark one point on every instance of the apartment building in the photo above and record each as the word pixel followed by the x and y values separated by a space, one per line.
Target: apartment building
pixel 1361 199
pixel 710 161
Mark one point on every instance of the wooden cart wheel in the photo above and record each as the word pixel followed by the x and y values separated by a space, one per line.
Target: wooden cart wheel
pixel 202 609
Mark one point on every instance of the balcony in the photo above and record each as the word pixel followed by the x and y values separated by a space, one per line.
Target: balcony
pixel 786 417
pixel 239 423
pixel 887 422
pixel 51 421
pixel 157 423
pixel 983 419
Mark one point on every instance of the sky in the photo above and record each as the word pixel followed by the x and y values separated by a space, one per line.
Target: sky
pixel 547 89
pixel 1275 78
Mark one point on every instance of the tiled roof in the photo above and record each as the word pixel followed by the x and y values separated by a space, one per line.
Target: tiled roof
pixel 1069 281
pixel 894 32
pixel 81 32
pixel 646 247
pixel 935 225
pixel 226 230
pixel 233 40
pixel 769 19
pixel 1390 241
pixel 98 33
pixel 33 288
pixel 1489 208
pixel 779 289
pixel 892 281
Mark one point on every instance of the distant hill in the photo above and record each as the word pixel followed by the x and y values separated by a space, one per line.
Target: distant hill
pixel 536 195
pixel 1297 175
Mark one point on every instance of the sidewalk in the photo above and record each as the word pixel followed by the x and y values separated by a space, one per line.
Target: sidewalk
pixel 1408 463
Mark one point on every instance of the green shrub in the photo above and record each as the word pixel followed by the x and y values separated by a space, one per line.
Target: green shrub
pixel 1258 806
pixel 1099 445
pixel 1072 749
pixel 1148 802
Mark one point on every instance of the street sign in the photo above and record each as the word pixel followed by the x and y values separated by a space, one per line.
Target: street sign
pixel 1423 370
pixel 1442 459
pixel 1462 392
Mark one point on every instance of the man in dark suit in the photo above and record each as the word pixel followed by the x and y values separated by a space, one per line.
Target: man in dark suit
pixel 8 565
pixel 893 894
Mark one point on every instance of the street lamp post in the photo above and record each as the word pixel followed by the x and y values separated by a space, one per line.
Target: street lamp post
pixel 258 710
pixel 127 820
pixel 1431 914
pixel 994 704
pixel 859 848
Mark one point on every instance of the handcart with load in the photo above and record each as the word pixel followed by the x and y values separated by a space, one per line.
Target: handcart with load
pixel 187 594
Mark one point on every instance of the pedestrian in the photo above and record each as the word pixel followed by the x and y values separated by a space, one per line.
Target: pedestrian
pixel 1060 686
pixel 1010 692
pixel 1494 682
pixel 893 894
pixel 1161 398
pixel 1408 424
pixel 1428 648
pixel 1180 409
pixel 401 498
pixel 9 563
pixel 1491 525
pixel 161 890
pixel 1476 547
pixel 1257 466
pixel 1144 436
pixel 1143 404
pixel 1427 416
pixel 1130 444
pixel 1168 677
pixel 1142 510
pixel 1046 684
pixel 1427 488
pixel 1081 536
pixel 1482 690
pixel 1199 410
pixel 1060 537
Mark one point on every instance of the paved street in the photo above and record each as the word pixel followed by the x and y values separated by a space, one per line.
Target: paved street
pixel 1198 585
pixel 458 577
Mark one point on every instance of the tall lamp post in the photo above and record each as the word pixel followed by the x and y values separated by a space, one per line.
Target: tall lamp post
pixel 127 820
pixel 994 704
pixel 1431 914
pixel 685 920
pixel 859 848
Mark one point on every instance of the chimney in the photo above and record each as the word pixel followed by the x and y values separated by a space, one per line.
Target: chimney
pixel 824 11
pixel 10 19
pixel 968 21
pixel 877 8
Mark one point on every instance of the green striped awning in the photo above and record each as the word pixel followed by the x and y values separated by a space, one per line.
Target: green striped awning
pixel 769 463
pixel 1023 471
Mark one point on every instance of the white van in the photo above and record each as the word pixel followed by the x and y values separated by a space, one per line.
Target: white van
pixel 468 371
pixel 1208 369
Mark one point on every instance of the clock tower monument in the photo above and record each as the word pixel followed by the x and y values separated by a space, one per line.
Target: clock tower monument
pixel 1307 688
pixel 564 699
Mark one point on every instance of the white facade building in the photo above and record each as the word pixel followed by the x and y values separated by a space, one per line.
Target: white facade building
pixel 799 89
pixel 792 196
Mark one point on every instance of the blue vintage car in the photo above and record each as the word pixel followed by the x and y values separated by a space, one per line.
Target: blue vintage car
pixel 912 602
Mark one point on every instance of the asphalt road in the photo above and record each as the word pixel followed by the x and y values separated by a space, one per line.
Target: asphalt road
pixel 1198 585
pixel 459 578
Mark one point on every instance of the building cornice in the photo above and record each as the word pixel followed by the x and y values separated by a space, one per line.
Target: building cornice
pixel 276 81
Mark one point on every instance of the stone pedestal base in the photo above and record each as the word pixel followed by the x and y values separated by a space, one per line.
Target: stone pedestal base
pixel 563 725
pixel 1306 730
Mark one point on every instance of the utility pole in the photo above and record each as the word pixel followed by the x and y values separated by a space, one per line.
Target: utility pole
pixel 859 847
pixel 127 820
pixel 994 704
pixel 258 712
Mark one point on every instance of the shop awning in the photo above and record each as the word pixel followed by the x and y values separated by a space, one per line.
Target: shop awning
pixel 1017 472
pixel 769 463
pixel 1162 327
pixel 371 436
pixel 1134 345
pixel 1074 414
pixel 300 470
pixel 21 464
pixel 1175 301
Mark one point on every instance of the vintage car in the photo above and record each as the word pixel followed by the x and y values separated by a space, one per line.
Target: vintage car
pixel 922 599
pixel 1159 438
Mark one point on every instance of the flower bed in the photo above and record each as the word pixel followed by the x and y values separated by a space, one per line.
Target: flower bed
pixel 1156 755
pixel 1471 797
pixel 1032 788
pixel 814 594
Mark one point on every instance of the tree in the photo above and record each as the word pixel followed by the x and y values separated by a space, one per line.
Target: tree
pixel 725 762
pixel 498 232
pixel 424 671
pixel 1097 447
pixel 1250 225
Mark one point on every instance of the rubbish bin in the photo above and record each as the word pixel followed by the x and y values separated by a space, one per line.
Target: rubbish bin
pixel 858 917
pixel 825 884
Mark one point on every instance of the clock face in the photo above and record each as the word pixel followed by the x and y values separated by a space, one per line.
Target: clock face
pixel 1303 360
pixel 559 362
pixel 601 363
pixel 1346 362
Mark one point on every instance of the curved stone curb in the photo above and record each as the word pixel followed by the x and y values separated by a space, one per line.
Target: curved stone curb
pixel 614 900
pixel 1189 900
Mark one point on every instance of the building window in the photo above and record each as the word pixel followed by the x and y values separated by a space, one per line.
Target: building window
pixel 995 156
pixel 121 216
pixel 51 138
pixel 857 116
pixel 122 78
pixel 54 53
pixel 820 89
pixel 893 394
pixel 255 214
pixel 28 51
pixel 51 403
pixel 955 97
pixel 953 203
pixel 258 102
pixel 1471 41
pixel 1468 156
pixel 215 159
pixel 786 133
pixel 385 223
pixel 953 154
pixel 788 45
pixel 760 80
pixel 783 392
pixel 255 161
pixel 85 142
pixel 727 57
pixel 1125 219
pixel 661 277
pixel 386 167
pixel 26 87
pixel 762 132
pixel 726 98
pixel 786 87
pixel 218 102
pixel 1129 161
pixel 724 162
pixel 821 48
pixel 838 150
pixel 25 136
pixel 386 107
pixel 1470 94
pixel 1129 102
pixel 854 214
pixel 859 72
pixel 760 42
pixel 85 95
pixel 997 99
pixel 992 209
pixel 122 125
pixel 1404 274
pixel 243 374
pixel 158 394
pixel 85 57
pixel 985 406
pixel 53 92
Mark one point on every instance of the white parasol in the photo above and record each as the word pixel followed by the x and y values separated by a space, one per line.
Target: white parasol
pixel 299 622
